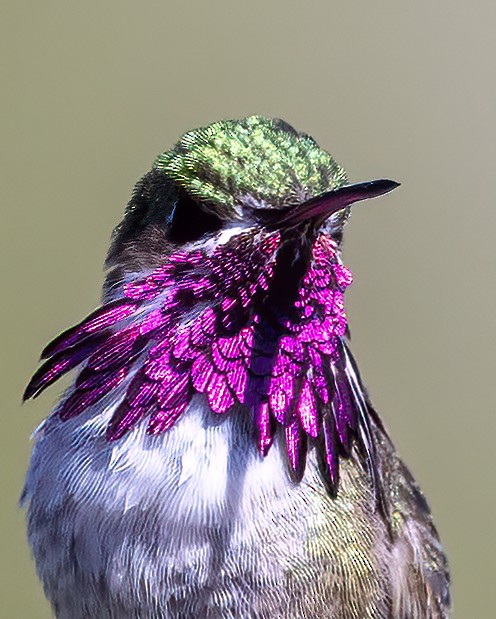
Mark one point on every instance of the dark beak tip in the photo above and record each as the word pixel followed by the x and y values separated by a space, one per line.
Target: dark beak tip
pixel 393 185
pixel 382 186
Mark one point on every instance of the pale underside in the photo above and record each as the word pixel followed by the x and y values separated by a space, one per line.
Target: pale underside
pixel 195 523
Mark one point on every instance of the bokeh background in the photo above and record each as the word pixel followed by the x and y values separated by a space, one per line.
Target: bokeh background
pixel 93 91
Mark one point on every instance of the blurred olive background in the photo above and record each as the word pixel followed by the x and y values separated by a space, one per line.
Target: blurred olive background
pixel 93 91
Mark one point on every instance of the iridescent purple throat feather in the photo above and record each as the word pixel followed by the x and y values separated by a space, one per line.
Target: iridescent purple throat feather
pixel 197 325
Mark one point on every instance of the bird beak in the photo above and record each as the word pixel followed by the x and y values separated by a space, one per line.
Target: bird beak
pixel 327 204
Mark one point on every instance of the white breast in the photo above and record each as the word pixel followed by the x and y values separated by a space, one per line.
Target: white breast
pixel 147 508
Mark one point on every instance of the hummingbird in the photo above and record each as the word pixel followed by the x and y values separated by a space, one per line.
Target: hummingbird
pixel 217 454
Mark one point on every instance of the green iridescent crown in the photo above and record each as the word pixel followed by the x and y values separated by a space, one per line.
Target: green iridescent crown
pixel 256 158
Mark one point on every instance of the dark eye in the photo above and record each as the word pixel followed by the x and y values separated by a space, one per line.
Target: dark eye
pixel 160 212
pixel 188 221
pixel 158 216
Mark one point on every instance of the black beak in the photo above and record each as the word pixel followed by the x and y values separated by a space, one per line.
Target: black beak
pixel 331 202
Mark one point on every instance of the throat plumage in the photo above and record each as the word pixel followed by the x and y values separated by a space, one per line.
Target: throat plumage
pixel 238 321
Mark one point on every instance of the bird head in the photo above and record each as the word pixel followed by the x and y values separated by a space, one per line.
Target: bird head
pixel 255 173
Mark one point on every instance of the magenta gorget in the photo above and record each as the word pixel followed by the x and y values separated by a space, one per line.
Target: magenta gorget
pixel 199 325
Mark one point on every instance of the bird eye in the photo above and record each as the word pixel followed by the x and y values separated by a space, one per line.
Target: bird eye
pixel 189 221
